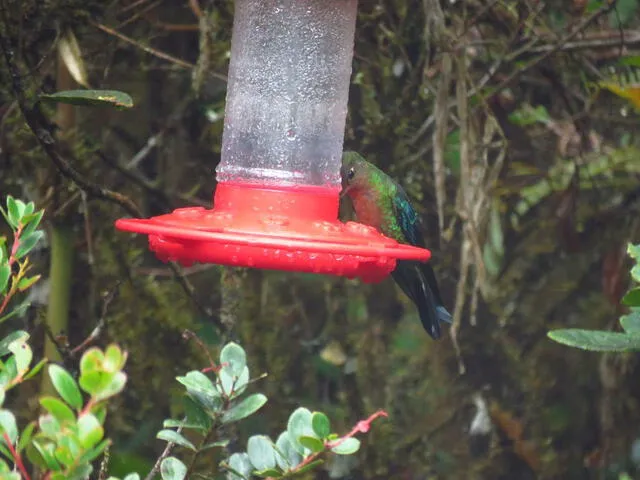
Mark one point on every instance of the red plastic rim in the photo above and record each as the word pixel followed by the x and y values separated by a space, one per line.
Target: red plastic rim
pixel 278 228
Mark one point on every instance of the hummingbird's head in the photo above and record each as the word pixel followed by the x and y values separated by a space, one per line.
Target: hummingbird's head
pixel 353 172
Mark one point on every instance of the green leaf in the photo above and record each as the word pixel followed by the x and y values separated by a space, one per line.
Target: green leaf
pixel 299 425
pixel 287 457
pixel 115 386
pixel 32 222
pixel 43 453
pixel 22 353
pixel 28 242
pixel 49 425
pixel 114 359
pixel 171 423
pixel 175 437
pixel 93 98
pixel 595 340
pixel 632 298
pixel 261 453
pixel 27 282
pixel 233 359
pixel 240 466
pixel 202 390
pixel 64 453
pixel 5 274
pixel 8 425
pixel 311 443
pixel 348 447
pixel 196 414
pixel 633 251
pixel 90 432
pixel 246 407
pixel 631 323
pixel 66 386
pixel 15 209
pixel 320 424
pixel 172 469
pixel 91 361
pixel 25 436
pixel 95 452
pixel 36 369
pixel 9 339
pixel 58 409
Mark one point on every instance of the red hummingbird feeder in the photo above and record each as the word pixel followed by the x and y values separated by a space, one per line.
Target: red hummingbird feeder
pixel 278 181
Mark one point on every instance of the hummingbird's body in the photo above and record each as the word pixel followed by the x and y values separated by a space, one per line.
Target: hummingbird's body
pixel 381 203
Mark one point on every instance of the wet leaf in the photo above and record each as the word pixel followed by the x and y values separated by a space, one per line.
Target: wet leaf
pixel 631 323
pixel 175 437
pixel 348 447
pixel 311 443
pixel 233 355
pixel 320 424
pixel 240 465
pixel 58 409
pixel 92 98
pixel 5 274
pixel 632 298
pixel 286 455
pixel 246 407
pixel 595 340
pixel 8 426
pixel 66 386
pixel 299 425
pixel 172 469
pixel 261 453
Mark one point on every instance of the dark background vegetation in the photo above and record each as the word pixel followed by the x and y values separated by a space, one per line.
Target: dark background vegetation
pixel 537 182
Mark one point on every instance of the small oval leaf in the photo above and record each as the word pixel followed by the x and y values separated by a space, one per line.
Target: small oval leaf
pixel 311 443
pixel 66 386
pixel 246 407
pixel 93 98
pixel 175 437
pixel 347 447
pixel 234 357
pixel 172 469
pixel 599 341
pixel 321 425
pixel 261 452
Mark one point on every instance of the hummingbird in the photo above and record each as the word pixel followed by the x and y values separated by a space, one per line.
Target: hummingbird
pixel 378 201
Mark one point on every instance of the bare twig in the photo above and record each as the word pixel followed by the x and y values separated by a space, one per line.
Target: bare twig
pixel 441 113
pixel 146 48
pixel 563 41
pixel 97 331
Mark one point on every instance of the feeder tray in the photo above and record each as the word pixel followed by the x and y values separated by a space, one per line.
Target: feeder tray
pixel 278 228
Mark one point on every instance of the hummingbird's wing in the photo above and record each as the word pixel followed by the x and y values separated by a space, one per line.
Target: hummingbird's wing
pixel 407 218
pixel 410 223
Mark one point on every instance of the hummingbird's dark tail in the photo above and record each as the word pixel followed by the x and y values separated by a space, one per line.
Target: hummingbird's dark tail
pixel 418 282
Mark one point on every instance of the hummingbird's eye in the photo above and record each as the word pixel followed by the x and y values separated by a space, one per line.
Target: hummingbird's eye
pixel 351 173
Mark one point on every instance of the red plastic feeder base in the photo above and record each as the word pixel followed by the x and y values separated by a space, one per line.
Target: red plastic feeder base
pixel 278 228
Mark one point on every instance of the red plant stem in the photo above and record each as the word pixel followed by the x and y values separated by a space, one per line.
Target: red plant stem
pixel 16 457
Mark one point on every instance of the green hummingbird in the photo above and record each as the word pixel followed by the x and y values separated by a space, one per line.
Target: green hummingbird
pixel 378 201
